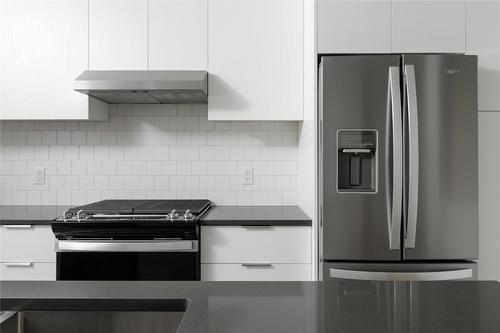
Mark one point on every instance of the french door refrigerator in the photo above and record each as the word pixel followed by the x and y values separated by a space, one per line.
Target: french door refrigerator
pixel 398 166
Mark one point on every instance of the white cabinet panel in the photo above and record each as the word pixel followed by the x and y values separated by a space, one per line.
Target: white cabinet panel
pixel 25 243
pixel 118 34
pixel 239 272
pixel 28 271
pixel 489 194
pixel 235 244
pixel 428 26
pixel 255 60
pixel 178 34
pixel 44 46
pixel 354 26
pixel 483 39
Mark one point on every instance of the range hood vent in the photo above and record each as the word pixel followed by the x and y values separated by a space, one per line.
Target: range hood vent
pixel 144 87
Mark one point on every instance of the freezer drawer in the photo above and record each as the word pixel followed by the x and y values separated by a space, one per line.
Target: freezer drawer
pixel 400 271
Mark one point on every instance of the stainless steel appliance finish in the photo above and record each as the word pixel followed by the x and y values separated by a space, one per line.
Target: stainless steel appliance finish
pixel 127 246
pixel 354 96
pixel 424 109
pixel 144 87
pixel 411 271
pixel 130 240
pixel 442 191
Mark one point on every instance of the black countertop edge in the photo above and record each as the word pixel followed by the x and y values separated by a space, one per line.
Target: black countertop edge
pixel 217 216
pixel 256 215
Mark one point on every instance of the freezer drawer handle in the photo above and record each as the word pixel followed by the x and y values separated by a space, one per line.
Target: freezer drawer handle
pixel 455 274
pixel 413 159
pixel 394 167
pixel 127 246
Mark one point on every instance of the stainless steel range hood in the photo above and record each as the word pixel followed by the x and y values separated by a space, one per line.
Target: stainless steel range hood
pixel 144 87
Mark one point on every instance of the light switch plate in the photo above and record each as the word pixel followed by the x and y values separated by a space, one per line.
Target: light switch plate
pixel 247 176
pixel 39 175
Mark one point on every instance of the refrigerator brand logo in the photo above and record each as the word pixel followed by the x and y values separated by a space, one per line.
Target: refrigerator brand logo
pixel 452 70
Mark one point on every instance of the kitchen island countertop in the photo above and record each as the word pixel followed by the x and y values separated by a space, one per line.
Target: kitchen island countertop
pixel 334 306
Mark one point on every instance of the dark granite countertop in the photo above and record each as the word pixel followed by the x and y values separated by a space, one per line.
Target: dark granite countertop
pixel 219 215
pixel 36 215
pixel 312 307
pixel 257 215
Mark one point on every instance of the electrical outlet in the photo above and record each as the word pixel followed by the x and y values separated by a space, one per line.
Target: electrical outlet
pixel 39 175
pixel 247 176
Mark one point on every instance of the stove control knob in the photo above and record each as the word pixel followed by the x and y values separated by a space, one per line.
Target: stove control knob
pixel 188 215
pixel 173 214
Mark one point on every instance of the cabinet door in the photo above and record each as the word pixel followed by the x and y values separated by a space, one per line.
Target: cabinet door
pixel 27 243
pixel 489 192
pixel 428 26
pixel 354 26
pixel 244 272
pixel 28 271
pixel 255 60
pixel 483 39
pixel 118 34
pixel 236 244
pixel 43 48
pixel 178 34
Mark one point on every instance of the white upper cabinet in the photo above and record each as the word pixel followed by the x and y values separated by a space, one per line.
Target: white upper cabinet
pixel 118 34
pixel 178 34
pixel 354 26
pixel 428 26
pixel 255 60
pixel 483 39
pixel 43 49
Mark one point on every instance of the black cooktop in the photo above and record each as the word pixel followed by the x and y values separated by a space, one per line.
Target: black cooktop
pixel 142 207
pixel 132 219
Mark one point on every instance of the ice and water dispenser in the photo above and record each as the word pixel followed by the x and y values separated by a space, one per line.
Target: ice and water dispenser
pixel 357 161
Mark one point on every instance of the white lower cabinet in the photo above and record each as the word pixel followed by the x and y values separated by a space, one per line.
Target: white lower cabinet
pixel 489 192
pixel 27 252
pixel 28 271
pixel 255 253
pixel 256 272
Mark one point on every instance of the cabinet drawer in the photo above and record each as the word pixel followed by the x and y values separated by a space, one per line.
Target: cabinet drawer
pixel 243 272
pixel 32 243
pixel 24 271
pixel 237 244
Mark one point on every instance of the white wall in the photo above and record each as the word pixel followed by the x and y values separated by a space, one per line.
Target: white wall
pixel 149 151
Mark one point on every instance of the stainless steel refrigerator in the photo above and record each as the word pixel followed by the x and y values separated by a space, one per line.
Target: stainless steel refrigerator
pixel 398 166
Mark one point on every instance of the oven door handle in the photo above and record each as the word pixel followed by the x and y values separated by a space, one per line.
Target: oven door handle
pixel 127 246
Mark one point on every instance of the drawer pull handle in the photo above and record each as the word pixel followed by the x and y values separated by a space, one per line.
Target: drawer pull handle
pixel 256 226
pixel 17 226
pixel 18 264
pixel 256 264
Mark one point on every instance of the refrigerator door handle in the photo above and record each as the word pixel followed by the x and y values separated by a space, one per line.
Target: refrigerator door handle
pixel 413 161
pixel 454 274
pixel 394 168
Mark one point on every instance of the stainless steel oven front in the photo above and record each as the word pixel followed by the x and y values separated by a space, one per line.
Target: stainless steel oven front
pixel 162 259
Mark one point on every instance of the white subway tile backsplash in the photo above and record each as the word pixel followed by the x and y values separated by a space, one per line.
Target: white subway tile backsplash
pixel 149 151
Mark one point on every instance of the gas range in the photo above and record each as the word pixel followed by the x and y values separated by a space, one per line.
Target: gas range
pixel 131 219
pixel 130 240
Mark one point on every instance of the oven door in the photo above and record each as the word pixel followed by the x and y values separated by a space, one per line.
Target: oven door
pixel 128 260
